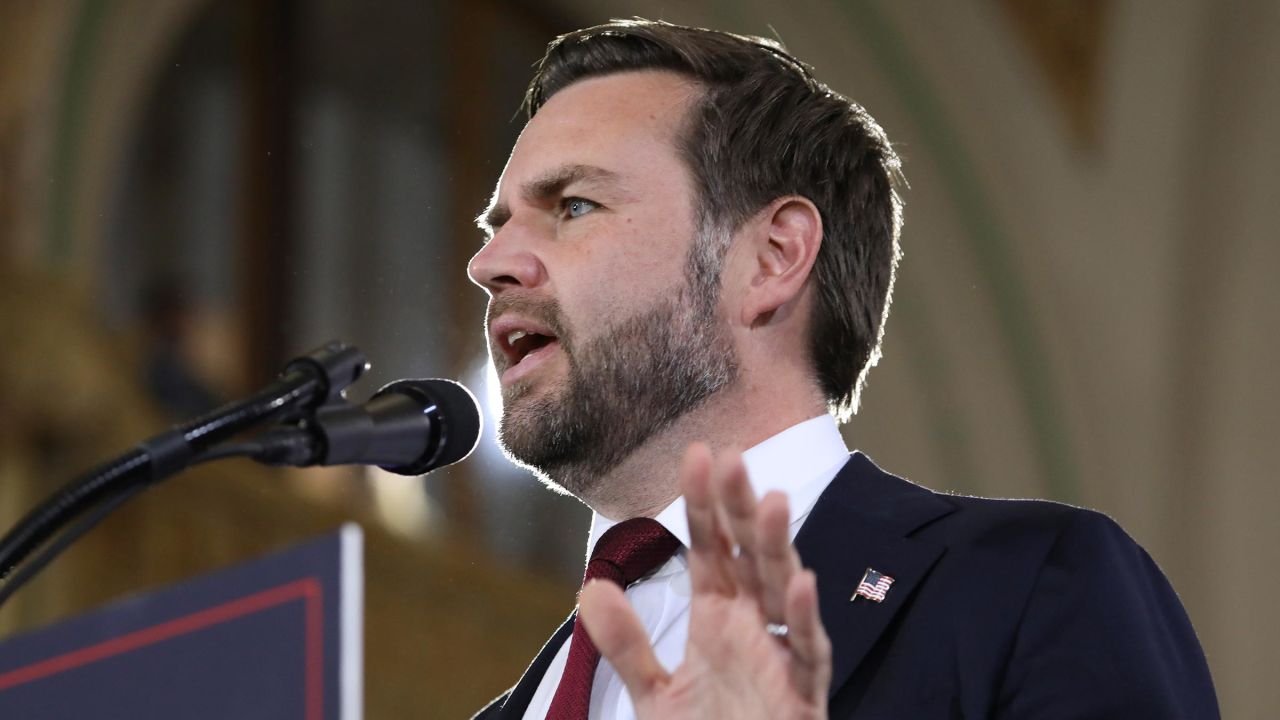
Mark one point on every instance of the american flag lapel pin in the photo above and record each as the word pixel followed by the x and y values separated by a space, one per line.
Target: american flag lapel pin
pixel 873 586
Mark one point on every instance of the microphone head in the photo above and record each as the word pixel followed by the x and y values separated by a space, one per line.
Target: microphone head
pixel 450 405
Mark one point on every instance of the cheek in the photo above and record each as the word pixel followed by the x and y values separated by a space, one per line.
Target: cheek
pixel 614 291
pixel 631 282
pixel 621 267
pixel 651 259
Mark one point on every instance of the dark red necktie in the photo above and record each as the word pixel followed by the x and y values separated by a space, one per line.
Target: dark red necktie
pixel 625 553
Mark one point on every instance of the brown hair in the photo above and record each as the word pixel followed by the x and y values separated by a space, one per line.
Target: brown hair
pixel 765 128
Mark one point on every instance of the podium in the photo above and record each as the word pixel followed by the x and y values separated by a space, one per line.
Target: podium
pixel 277 637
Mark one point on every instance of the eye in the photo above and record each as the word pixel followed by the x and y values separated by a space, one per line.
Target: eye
pixel 575 207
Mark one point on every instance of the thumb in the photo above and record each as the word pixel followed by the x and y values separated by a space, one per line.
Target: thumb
pixel 618 633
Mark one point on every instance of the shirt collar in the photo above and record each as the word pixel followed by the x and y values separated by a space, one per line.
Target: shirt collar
pixel 799 462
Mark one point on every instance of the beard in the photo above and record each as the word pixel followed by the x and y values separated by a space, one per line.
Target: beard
pixel 625 385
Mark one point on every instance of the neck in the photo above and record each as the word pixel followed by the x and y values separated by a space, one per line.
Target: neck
pixel 737 418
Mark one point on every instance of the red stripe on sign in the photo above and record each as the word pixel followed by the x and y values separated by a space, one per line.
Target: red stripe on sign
pixel 307 589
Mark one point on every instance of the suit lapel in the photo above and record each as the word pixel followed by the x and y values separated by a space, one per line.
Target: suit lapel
pixel 862 521
pixel 516 703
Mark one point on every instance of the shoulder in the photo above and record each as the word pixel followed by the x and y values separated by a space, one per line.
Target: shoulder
pixel 999 555
pixel 866 489
pixel 993 553
pixel 1030 536
pixel 1100 615
pixel 1047 608
pixel 1088 608
pixel 969 517
pixel 1042 523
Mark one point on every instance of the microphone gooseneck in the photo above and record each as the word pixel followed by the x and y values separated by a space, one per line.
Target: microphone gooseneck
pixel 409 427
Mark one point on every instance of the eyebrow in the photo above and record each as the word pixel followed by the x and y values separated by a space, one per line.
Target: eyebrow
pixel 549 185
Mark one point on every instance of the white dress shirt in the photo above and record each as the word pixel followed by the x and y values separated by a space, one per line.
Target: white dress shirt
pixel 799 462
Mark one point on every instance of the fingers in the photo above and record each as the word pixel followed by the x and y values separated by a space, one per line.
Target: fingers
pixel 810 647
pixel 621 638
pixel 776 560
pixel 739 502
pixel 723 514
pixel 711 546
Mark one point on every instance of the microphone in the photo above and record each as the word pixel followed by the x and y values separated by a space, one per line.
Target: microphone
pixel 409 427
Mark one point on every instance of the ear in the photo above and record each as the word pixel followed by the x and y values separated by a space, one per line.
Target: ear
pixel 784 246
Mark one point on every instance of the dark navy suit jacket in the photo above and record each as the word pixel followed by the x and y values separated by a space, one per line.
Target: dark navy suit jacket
pixel 998 609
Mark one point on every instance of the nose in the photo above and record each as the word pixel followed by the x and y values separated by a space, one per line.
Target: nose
pixel 506 262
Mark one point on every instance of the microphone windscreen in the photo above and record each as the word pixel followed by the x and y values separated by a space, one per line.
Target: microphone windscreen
pixel 454 415
pixel 459 417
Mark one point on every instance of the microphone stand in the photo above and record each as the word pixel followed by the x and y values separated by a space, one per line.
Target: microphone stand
pixel 308 382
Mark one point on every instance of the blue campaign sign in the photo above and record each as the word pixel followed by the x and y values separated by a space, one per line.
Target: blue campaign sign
pixel 277 637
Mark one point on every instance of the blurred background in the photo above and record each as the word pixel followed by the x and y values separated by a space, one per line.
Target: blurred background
pixel 194 191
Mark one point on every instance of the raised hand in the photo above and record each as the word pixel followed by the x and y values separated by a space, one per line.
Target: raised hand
pixel 734 667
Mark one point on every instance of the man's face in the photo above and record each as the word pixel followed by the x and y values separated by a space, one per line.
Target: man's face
pixel 599 333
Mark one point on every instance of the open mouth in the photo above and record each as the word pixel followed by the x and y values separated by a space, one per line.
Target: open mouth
pixel 521 344
pixel 525 344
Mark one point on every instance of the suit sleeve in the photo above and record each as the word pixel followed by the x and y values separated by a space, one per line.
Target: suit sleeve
pixel 1103 635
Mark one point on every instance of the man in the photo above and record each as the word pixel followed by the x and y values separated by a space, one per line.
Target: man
pixel 691 252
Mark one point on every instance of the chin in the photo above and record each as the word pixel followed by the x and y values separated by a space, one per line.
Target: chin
pixel 560 475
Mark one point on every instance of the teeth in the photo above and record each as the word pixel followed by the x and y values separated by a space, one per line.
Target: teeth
pixel 515 335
